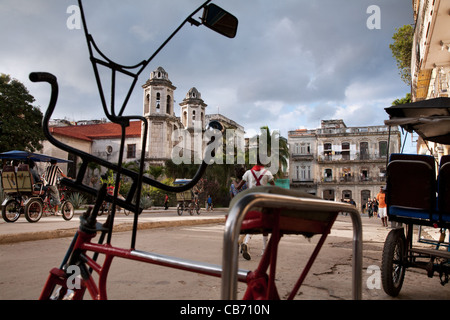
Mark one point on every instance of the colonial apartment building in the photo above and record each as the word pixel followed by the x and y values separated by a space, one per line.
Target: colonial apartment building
pixel 340 163
pixel 430 60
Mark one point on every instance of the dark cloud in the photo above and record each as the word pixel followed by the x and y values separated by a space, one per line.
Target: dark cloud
pixel 292 63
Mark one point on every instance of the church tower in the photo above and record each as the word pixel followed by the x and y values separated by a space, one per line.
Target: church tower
pixel 193 109
pixel 160 115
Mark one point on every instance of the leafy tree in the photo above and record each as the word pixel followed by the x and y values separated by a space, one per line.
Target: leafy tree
pixel 406 99
pixel 20 121
pixel 401 51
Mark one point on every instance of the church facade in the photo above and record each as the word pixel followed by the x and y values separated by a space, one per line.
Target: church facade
pixel 102 138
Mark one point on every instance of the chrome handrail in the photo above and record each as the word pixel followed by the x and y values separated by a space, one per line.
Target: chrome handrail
pixel 269 200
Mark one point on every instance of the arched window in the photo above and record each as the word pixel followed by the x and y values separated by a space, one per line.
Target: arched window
pixel 328 175
pixel 147 103
pixel 185 118
pixel 364 151
pixel 168 103
pixel 158 102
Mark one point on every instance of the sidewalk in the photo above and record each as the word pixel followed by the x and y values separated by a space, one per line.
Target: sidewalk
pixel 56 227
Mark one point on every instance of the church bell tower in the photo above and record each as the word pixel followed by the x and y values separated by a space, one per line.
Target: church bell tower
pixel 160 115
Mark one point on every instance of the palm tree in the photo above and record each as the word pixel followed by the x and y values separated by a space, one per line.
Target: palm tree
pixel 281 152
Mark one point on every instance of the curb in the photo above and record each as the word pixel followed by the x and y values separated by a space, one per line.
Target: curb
pixel 122 227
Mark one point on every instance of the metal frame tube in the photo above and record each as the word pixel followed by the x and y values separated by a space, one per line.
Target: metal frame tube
pixel 270 200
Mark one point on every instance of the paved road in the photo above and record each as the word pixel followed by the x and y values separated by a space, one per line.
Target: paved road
pixel 56 227
pixel 28 262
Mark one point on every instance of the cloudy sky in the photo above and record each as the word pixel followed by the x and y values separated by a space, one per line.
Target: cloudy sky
pixel 292 63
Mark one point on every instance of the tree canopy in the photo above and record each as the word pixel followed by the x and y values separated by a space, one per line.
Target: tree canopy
pixel 401 51
pixel 20 121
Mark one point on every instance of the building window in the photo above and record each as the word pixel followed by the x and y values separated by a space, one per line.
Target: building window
pixel 382 146
pixel 305 148
pixel 346 195
pixel 328 194
pixel 347 175
pixel 306 173
pixel 364 151
pixel 185 118
pixel 158 102
pixel 364 175
pixel 345 151
pixel 328 175
pixel 382 174
pixel 168 103
pixel 131 151
pixel 327 152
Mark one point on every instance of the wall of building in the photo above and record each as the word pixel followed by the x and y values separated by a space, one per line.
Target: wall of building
pixel 338 163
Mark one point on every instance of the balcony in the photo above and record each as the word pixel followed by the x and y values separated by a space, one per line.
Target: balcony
pixel 353 180
pixel 338 157
pixel 302 156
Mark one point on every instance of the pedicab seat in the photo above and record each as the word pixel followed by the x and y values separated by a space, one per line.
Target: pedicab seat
pixel 25 181
pixel 9 181
pixel 291 220
pixel 412 187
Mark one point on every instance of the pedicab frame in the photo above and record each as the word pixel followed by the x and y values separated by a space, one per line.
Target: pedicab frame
pixel 415 197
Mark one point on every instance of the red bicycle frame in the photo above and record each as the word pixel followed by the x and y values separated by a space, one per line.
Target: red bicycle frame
pixel 260 285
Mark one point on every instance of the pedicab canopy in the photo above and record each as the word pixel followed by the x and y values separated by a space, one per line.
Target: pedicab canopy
pixel 430 119
pixel 25 155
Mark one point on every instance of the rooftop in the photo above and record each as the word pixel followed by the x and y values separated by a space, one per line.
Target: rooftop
pixel 91 132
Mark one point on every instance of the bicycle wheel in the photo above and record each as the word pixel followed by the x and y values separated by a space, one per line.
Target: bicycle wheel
pixel 179 209
pixel 67 210
pixel 34 210
pixel 11 210
pixel 393 263
pixel 191 209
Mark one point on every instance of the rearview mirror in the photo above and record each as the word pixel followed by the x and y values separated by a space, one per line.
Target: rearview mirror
pixel 220 20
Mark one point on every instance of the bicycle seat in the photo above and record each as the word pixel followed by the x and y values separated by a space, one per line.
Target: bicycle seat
pixel 314 218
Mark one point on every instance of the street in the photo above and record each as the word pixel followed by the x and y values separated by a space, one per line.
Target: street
pixel 25 265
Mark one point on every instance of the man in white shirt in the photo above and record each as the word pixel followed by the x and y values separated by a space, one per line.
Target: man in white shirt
pixel 256 176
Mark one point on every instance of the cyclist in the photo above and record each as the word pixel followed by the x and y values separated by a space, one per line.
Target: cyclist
pixel 50 178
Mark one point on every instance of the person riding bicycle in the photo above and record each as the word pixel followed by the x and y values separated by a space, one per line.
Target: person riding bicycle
pixel 50 178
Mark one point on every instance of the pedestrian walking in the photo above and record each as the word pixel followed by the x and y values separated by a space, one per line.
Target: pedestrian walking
pixel 166 202
pixel 256 176
pixel 369 208
pixel 209 203
pixel 375 207
pixel 382 208
pixel 240 171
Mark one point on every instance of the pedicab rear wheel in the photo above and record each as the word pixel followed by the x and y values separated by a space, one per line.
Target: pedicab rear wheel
pixel 393 265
